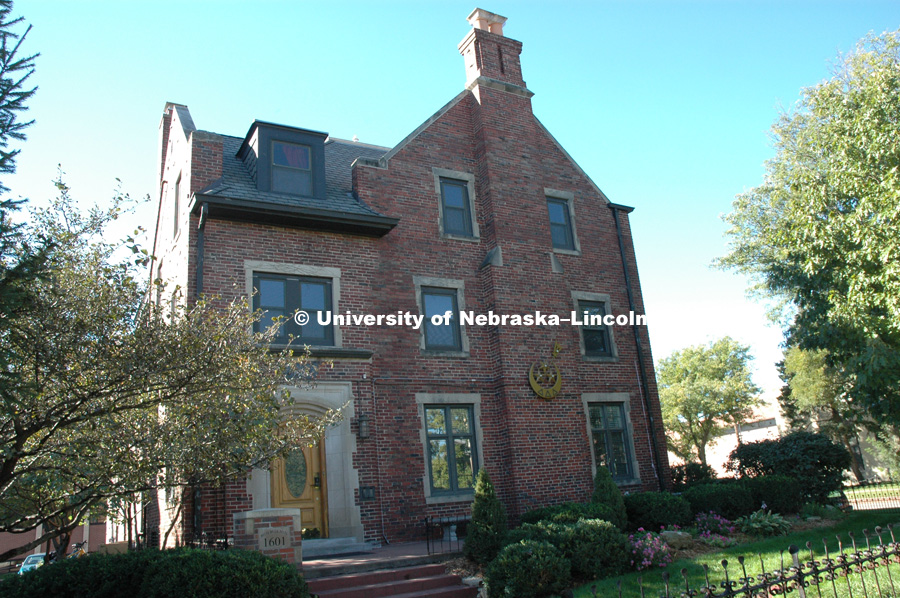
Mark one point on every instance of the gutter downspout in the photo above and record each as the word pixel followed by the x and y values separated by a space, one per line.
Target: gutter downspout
pixel 645 390
pixel 201 227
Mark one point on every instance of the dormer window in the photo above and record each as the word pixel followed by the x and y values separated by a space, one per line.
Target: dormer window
pixel 291 168
pixel 285 160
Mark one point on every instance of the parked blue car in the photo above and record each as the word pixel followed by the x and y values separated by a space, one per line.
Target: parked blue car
pixel 31 563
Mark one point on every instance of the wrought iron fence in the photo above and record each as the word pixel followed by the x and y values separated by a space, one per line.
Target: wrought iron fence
pixel 446 534
pixel 858 570
pixel 210 541
pixel 870 496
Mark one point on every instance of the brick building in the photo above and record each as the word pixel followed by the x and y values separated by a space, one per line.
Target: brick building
pixel 477 210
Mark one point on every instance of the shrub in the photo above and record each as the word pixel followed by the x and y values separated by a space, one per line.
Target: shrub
pixel 781 493
pixel 690 474
pixel 161 574
pixel 652 510
pixel 648 550
pixel 528 569
pixel 486 533
pixel 815 461
pixel 607 493
pixel 712 523
pixel 595 549
pixel 729 500
pixel 763 523
pixel 570 512
pixel 717 540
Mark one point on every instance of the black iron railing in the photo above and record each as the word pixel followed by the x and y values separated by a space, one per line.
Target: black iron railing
pixel 210 541
pixel 859 569
pixel 446 534
pixel 870 496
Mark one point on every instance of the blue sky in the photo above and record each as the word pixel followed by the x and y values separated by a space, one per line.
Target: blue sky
pixel 666 105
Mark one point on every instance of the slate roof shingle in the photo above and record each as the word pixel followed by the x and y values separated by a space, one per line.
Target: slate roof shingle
pixel 236 182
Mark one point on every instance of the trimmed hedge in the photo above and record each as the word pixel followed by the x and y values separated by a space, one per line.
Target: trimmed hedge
pixel 570 512
pixel 814 460
pixel 594 548
pixel 780 493
pixel 691 474
pixel 161 574
pixel 528 569
pixel 652 510
pixel 728 500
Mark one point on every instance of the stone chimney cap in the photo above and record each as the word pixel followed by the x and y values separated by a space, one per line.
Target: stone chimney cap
pixel 486 20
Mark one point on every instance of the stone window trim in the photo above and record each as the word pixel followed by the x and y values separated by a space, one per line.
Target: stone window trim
pixel 469 179
pixel 624 399
pixel 472 400
pixel 569 198
pixel 600 298
pixel 261 267
pixel 444 283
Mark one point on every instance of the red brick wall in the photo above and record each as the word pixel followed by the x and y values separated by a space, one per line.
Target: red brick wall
pixel 538 452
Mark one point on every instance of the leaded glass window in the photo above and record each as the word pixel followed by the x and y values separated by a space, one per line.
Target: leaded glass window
pixel 450 440
pixel 609 435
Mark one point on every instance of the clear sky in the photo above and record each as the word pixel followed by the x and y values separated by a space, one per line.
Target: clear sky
pixel 666 105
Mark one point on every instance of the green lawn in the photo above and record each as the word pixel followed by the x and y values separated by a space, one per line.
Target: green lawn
pixel 770 551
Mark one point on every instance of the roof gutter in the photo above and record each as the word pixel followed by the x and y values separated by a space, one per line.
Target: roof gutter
pixel 243 210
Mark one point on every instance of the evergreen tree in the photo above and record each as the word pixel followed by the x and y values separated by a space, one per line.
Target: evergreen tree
pixel 607 493
pixel 485 535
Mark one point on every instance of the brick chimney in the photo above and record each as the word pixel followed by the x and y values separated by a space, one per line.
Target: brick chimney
pixel 490 57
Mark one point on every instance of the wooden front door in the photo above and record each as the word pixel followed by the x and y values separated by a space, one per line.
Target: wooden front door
pixel 298 482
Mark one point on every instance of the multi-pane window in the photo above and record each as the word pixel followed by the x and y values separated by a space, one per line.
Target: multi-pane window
pixel 279 295
pixel 609 434
pixel 450 439
pixel 444 336
pixel 560 224
pixel 291 168
pixel 595 335
pixel 455 208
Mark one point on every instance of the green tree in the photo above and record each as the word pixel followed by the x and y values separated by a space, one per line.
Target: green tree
pixel 701 390
pixel 607 493
pixel 820 233
pixel 112 395
pixel 486 532
pixel 822 393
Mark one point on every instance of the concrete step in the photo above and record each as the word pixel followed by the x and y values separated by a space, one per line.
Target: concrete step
pixel 314 549
pixel 429 581
pixel 375 577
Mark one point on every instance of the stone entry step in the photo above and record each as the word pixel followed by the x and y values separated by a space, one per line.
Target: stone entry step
pixel 324 547
pixel 425 581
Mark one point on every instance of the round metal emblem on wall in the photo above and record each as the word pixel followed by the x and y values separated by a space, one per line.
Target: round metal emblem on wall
pixel 544 376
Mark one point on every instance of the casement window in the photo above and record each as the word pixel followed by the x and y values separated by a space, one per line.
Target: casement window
pixel 291 168
pixel 450 446
pixel 446 335
pixel 594 335
pixel 456 204
pixel 610 438
pixel 562 232
pixel 280 295
pixel 455 207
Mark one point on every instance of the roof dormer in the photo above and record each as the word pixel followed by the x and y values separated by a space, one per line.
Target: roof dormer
pixel 286 160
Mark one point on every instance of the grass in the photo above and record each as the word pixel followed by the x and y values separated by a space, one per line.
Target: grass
pixel 770 550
